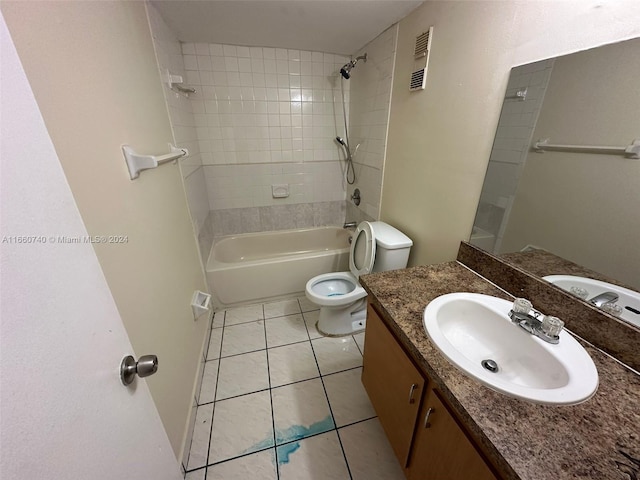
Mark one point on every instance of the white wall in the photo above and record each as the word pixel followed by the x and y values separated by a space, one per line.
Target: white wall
pixel 92 68
pixel 440 139
pixel 170 62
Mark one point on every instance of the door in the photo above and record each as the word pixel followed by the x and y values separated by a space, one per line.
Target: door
pixel 64 413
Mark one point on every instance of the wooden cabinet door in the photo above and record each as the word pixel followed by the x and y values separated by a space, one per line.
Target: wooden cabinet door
pixel 394 385
pixel 441 450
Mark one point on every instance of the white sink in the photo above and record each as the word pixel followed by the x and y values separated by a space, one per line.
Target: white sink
pixel 469 328
pixel 628 299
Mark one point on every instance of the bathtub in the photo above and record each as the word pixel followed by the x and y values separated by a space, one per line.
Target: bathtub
pixel 252 267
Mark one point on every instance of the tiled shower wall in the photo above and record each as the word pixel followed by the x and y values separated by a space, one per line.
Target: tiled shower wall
pixel 264 116
pixel 267 116
pixel 511 146
pixel 369 119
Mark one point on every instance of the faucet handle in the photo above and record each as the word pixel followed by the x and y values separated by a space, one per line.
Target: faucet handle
pixel 552 326
pixel 521 305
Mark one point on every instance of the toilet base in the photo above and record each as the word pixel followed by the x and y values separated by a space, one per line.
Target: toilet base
pixel 341 321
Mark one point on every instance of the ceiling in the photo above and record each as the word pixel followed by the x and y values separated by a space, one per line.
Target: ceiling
pixel 331 26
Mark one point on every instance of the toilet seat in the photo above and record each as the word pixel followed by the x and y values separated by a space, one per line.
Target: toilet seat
pixel 363 250
pixel 337 289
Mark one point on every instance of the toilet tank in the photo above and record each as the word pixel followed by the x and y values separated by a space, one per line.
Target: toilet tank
pixel 392 247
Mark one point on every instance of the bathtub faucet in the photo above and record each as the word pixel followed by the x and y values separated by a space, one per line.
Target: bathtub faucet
pixel 350 225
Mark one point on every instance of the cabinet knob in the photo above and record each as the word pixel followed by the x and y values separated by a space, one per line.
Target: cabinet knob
pixel 411 390
pixel 426 417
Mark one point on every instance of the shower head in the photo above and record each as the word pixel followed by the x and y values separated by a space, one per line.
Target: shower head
pixel 341 141
pixel 345 71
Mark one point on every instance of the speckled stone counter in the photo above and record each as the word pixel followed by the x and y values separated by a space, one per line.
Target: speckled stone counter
pixel 598 439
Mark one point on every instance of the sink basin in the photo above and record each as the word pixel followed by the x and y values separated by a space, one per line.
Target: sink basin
pixel 628 299
pixel 470 328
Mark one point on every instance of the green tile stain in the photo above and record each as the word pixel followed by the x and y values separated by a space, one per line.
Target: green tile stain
pixel 285 450
pixel 261 445
pixel 296 432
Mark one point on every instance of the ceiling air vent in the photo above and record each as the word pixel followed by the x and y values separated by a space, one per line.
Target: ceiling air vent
pixel 422 49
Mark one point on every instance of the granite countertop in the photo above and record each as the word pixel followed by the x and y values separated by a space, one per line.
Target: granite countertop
pixel 598 439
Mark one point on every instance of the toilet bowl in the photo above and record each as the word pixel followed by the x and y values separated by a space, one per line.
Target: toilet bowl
pixel 341 298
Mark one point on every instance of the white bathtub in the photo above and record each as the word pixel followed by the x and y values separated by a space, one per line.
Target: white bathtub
pixel 257 266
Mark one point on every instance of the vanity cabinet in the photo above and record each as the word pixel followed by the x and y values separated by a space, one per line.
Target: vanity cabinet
pixel 441 450
pixel 426 438
pixel 394 384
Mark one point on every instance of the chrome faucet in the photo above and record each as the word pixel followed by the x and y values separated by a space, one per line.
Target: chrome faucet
pixel 535 322
pixel 604 299
pixel 350 225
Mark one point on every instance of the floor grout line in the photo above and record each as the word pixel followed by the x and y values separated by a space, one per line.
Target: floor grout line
pixel 242 455
pixel 273 419
pixel 324 388
pixel 243 353
pixel 356 422
pixel 215 393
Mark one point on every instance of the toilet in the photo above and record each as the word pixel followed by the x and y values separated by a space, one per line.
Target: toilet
pixel 375 247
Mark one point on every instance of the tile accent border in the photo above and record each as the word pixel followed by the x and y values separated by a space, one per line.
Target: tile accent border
pixel 235 221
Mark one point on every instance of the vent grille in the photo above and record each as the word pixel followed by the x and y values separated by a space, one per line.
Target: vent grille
pixel 422 44
pixel 418 79
pixel 421 60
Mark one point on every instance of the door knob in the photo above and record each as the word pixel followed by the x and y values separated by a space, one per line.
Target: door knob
pixel 145 366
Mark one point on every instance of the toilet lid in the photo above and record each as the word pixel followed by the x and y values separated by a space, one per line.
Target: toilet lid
pixel 363 250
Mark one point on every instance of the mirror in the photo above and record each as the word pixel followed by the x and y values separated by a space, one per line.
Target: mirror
pixel 581 204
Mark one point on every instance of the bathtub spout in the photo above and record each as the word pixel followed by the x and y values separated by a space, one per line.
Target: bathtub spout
pixel 350 225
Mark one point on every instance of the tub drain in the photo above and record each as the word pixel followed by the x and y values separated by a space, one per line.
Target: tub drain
pixel 490 365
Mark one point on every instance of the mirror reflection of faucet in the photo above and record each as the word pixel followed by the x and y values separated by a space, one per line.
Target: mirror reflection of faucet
pixel 607 302
pixel 603 299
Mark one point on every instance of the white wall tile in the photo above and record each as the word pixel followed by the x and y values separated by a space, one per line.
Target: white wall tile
pixel 188 49
pixel 216 49
pixel 250 89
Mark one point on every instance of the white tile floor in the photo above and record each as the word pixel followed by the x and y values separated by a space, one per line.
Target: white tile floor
pixel 279 401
